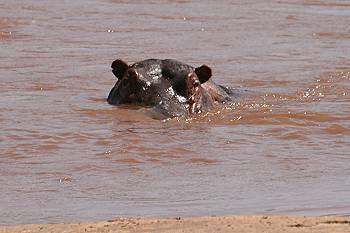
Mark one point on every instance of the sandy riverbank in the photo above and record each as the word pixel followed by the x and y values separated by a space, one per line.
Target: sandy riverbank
pixel 199 224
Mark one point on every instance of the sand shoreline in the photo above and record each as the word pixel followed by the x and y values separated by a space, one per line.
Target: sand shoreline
pixel 198 224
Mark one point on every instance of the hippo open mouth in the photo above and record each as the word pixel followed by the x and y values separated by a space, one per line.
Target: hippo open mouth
pixel 173 88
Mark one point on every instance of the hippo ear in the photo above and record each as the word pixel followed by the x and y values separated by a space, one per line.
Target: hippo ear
pixel 119 67
pixel 203 72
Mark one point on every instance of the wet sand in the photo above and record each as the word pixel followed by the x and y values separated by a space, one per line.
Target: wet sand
pixel 199 224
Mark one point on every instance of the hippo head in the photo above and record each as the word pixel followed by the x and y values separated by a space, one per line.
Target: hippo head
pixel 171 86
pixel 136 84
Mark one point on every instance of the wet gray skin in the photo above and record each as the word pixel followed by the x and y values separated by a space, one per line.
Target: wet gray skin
pixel 170 87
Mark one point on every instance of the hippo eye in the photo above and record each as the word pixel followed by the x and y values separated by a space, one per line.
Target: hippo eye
pixel 132 74
pixel 196 83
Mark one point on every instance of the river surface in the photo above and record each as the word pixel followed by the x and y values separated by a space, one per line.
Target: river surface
pixel 282 147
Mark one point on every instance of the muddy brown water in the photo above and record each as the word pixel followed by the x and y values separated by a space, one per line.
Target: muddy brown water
pixel 283 147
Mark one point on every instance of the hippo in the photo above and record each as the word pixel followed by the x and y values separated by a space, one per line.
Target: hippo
pixel 170 87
